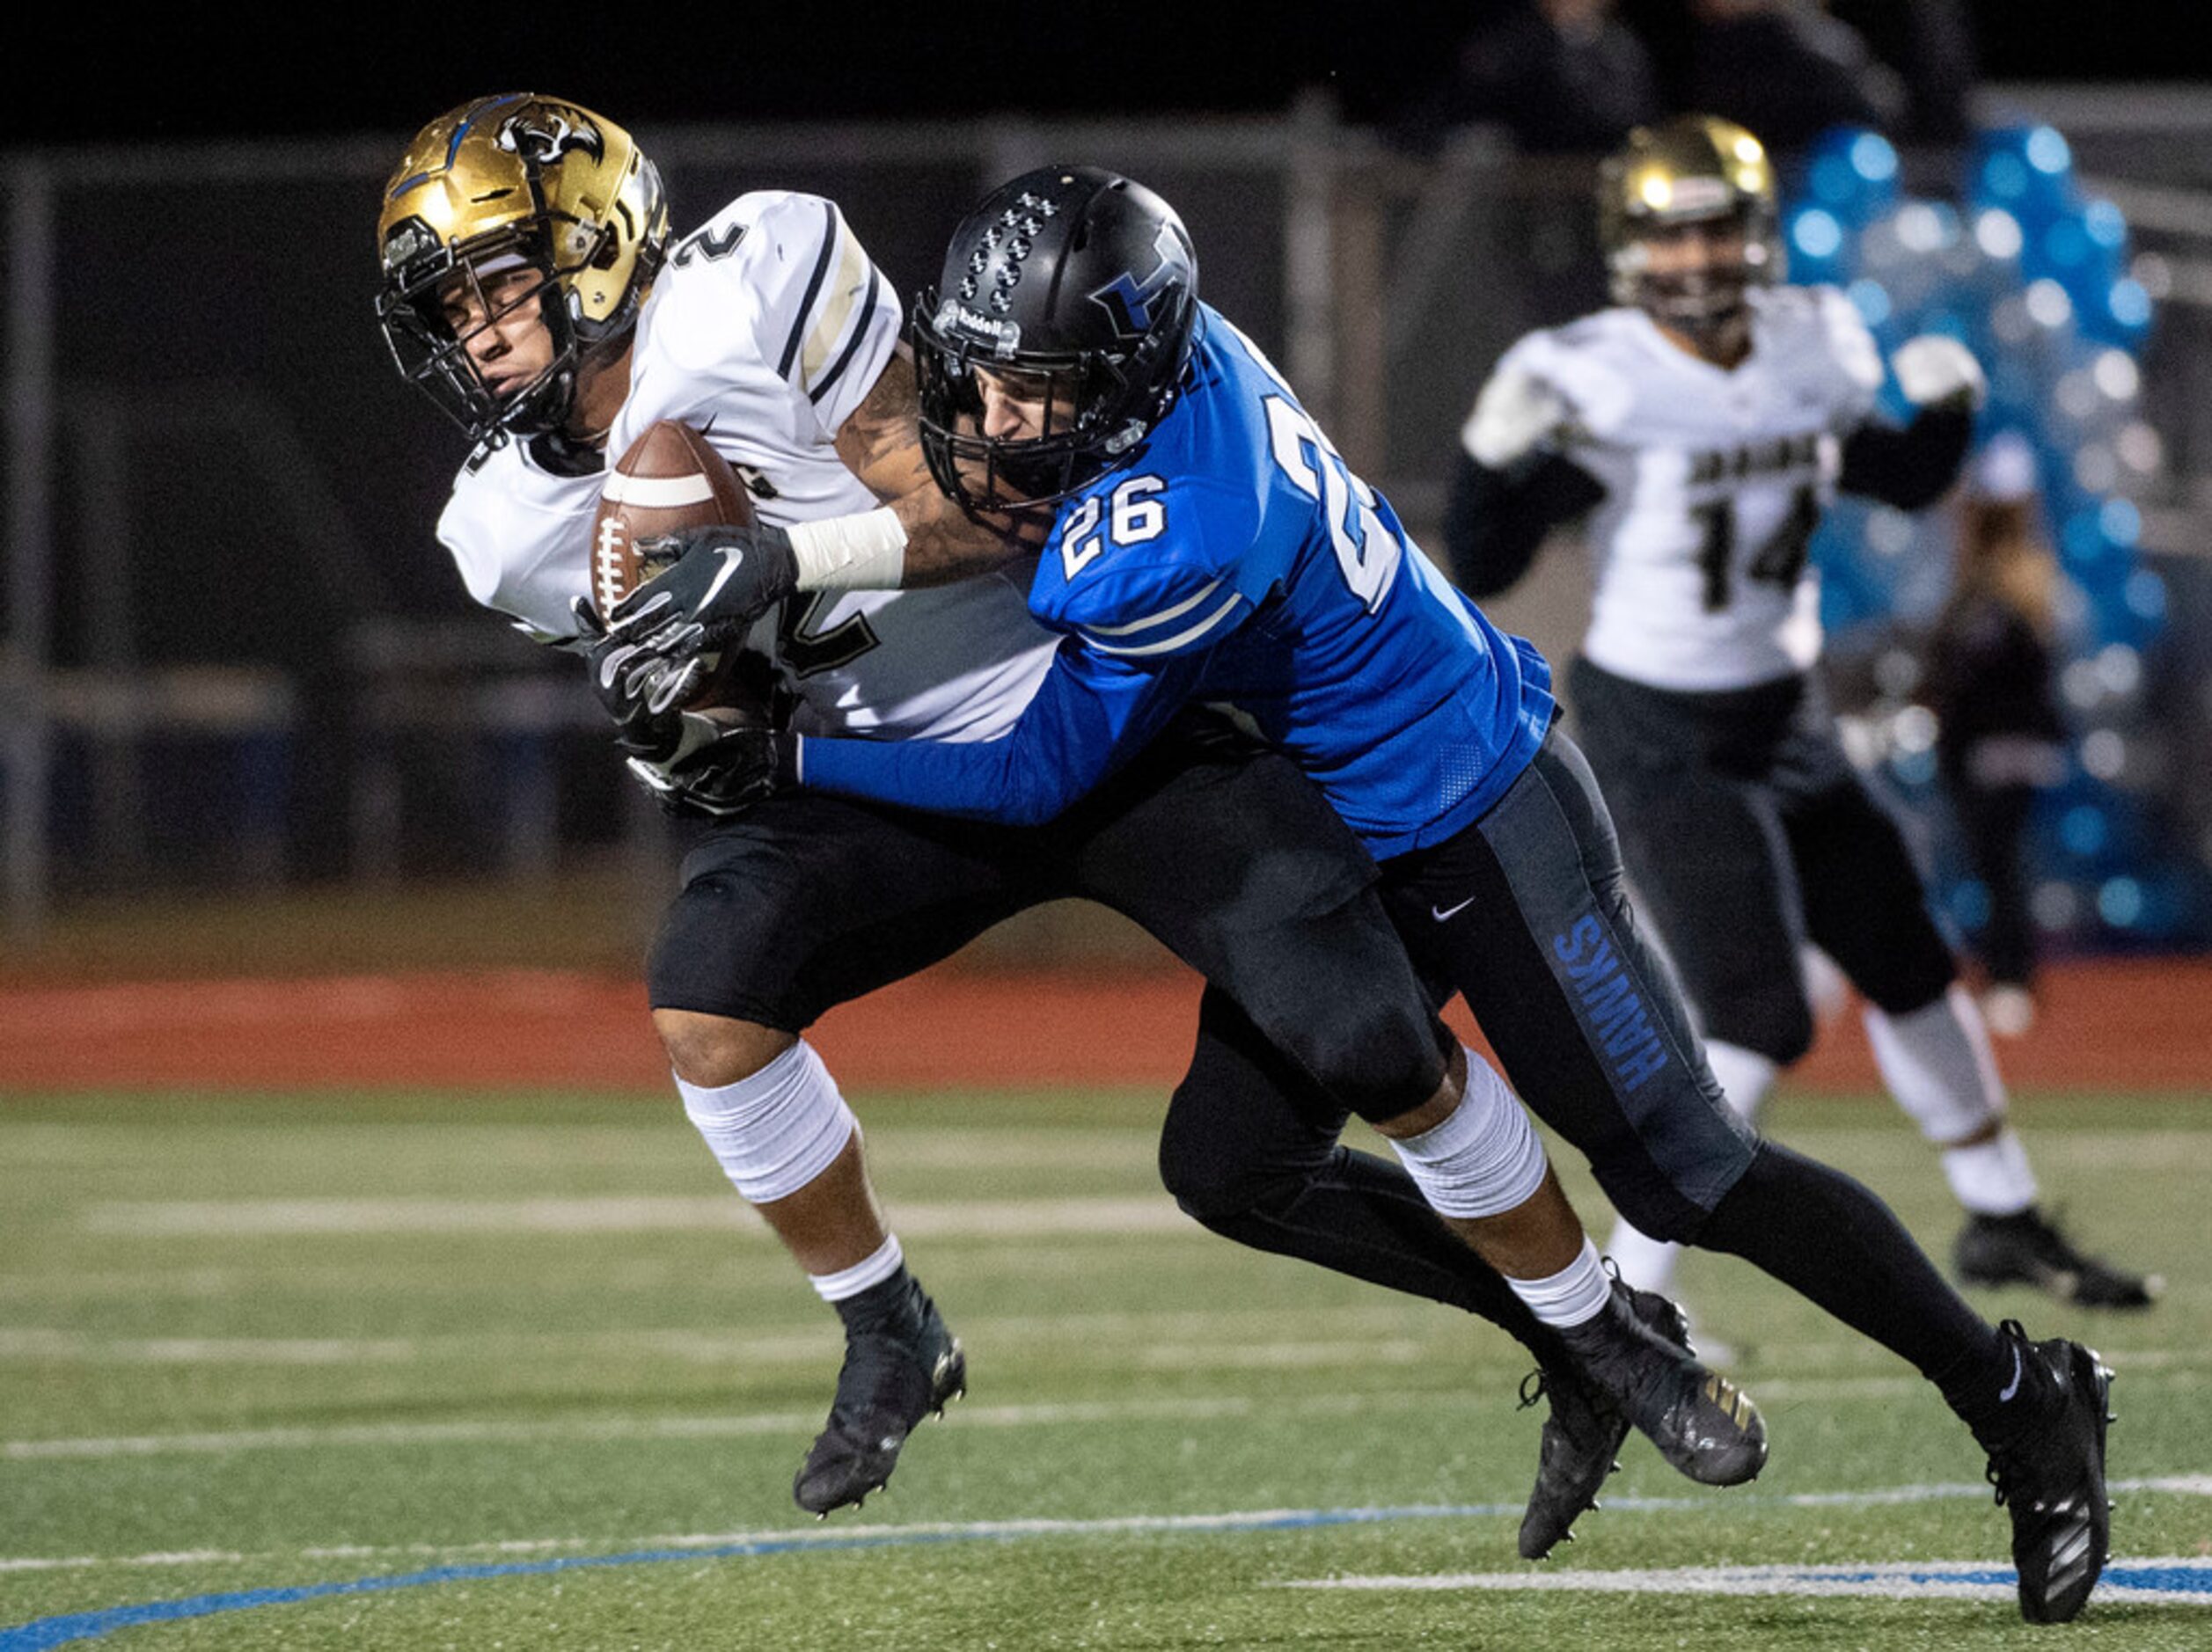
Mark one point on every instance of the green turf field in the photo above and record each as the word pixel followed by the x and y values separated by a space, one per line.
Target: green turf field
pixel 377 1373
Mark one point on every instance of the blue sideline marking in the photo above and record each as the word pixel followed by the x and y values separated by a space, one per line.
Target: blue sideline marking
pixel 44 1633
pixel 86 1625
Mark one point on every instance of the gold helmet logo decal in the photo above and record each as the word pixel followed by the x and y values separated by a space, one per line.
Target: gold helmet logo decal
pixel 545 132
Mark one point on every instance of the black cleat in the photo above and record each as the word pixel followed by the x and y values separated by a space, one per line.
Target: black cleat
pixel 1581 1438
pixel 2052 1479
pixel 896 1373
pixel 2028 1249
pixel 1703 1424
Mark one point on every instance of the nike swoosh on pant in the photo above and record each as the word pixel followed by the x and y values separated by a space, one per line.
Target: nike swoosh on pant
pixel 1440 913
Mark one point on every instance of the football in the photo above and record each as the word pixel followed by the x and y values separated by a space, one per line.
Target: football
pixel 673 479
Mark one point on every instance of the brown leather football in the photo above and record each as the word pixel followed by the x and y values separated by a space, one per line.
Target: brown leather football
pixel 673 479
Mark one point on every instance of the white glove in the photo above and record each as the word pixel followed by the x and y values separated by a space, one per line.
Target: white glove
pixel 1935 371
pixel 1516 414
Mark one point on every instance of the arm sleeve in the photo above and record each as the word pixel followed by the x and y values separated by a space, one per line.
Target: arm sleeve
pixel 1908 468
pixel 1090 714
pixel 1495 522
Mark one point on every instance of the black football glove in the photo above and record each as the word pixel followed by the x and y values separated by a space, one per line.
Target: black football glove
pixel 716 768
pixel 642 691
pixel 724 577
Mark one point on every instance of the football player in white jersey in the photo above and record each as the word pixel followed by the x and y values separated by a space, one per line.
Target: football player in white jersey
pixel 531 290
pixel 1702 425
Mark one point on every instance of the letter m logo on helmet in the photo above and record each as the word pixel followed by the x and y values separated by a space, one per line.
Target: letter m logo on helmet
pixel 1129 300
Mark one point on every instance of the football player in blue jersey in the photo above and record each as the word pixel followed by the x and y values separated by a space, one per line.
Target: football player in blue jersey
pixel 532 290
pixel 1208 543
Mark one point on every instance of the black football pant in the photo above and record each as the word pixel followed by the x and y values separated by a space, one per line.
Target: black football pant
pixel 1524 913
pixel 1225 853
pixel 1748 832
pixel 1250 1148
pixel 1993 821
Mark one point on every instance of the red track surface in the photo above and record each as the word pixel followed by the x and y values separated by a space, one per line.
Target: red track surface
pixel 2138 1024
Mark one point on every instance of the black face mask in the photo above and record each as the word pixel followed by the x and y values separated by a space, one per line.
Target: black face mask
pixel 431 357
pixel 1703 304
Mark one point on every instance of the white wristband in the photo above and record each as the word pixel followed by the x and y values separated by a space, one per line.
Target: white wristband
pixel 867 553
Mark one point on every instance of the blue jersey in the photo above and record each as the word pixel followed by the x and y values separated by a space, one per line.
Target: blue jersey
pixel 1238 560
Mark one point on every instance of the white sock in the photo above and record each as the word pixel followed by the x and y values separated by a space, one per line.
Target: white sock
pixel 1745 1077
pixel 1991 1178
pixel 1937 1064
pixel 1576 1292
pixel 887 1259
pixel 1645 1262
pixel 1826 988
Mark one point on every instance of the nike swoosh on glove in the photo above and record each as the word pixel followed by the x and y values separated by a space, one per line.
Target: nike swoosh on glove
pixel 725 576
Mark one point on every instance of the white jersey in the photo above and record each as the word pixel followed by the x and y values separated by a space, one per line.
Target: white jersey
pixel 1714 481
pixel 768 327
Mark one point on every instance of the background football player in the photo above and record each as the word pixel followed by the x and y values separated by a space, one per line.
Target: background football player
pixel 527 292
pixel 1703 425
pixel 1209 542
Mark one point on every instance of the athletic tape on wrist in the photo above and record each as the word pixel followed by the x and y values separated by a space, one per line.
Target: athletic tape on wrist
pixel 864 552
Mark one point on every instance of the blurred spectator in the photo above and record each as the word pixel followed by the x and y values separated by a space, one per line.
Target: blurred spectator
pixel 1564 76
pixel 1932 45
pixel 1788 70
pixel 1999 733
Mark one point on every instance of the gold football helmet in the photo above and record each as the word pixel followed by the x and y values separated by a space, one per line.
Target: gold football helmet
pixel 505 183
pixel 1693 169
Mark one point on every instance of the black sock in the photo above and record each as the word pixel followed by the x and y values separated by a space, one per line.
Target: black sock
pixel 898 1297
pixel 1363 1215
pixel 1830 1238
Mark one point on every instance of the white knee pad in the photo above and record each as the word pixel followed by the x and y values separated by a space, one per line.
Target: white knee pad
pixel 1485 1160
pixel 1937 1064
pixel 776 1131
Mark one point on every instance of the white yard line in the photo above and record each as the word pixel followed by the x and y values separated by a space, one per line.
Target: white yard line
pixel 1236 1347
pixel 604 1429
pixel 1347 1338
pixel 978 1218
pixel 2193 1485
pixel 2132 1580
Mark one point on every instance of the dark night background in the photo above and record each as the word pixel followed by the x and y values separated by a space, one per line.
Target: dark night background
pixel 179 77
pixel 223 328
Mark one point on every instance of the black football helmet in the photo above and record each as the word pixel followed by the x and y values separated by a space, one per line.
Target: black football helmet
pixel 516 182
pixel 1075 279
pixel 1693 169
